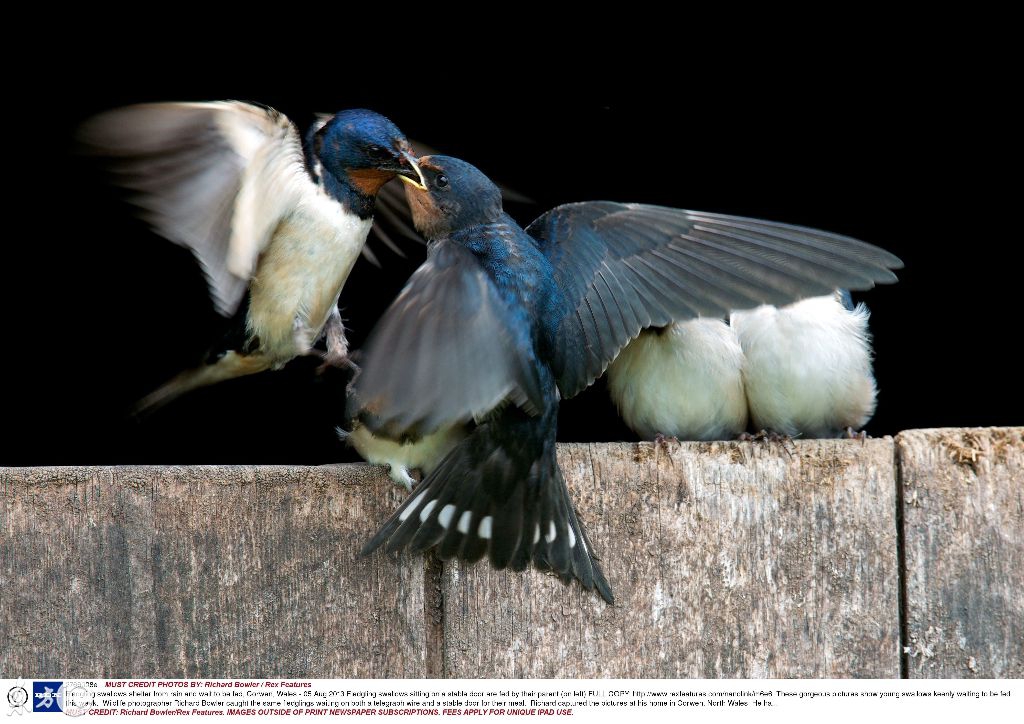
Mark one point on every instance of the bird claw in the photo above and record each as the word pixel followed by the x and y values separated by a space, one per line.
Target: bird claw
pixel 336 360
pixel 770 436
pixel 852 434
pixel 663 441
pixel 401 476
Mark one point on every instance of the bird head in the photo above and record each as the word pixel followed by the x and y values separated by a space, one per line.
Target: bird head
pixel 456 195
pixel 366 148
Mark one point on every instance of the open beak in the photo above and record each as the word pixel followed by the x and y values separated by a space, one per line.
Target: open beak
pixel 412 175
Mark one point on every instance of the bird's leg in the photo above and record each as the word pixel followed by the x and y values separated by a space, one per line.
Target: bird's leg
pixel 766 436
pixel 852 434
pixel 663 442
pixel 402 476
pixel 337 346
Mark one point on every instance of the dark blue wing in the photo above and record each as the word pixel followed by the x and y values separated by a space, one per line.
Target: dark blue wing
pixel 444 352
pixel 625 267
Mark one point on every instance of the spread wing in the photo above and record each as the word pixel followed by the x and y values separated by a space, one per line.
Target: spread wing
pixel 445 351
pixel 214 177
pixel 625 267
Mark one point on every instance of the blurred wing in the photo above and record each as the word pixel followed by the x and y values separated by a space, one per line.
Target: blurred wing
pixel 214 177
pixel 445 351
pixel 625 267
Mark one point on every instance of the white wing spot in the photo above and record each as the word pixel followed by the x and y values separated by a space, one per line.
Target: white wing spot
pixel 445 516
pixel 408 510
pixel 425 513
pixel 572 538
pixel 464 520
pixel 552 533
pixel 484 531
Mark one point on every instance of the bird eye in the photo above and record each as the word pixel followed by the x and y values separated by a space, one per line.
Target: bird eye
pixel 441 181
pixel 378 151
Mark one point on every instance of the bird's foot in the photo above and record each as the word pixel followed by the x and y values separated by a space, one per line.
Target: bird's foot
pixel 337 345
pixel 665 442
pixel 770 436
pixel 851 434
pixel 337 360
pixel 400 474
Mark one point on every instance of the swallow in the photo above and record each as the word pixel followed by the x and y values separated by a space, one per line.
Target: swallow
pixel 276 221
pixel 807 366
pixel 402 457
pixel 684 381
pixel 500 323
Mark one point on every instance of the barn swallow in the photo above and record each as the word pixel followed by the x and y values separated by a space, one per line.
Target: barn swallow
pixel 402 456
pixel 500 323
pixel 276 223
pixel 684 381
pixel 807 366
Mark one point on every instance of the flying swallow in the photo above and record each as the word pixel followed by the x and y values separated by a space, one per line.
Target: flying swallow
pixel 276 223
pixel 807 366
pixel 499 324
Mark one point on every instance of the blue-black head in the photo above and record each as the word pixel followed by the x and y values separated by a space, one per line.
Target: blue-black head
pixel 363 148
pixel 457 196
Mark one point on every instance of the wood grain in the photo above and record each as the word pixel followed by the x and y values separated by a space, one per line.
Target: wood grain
pixel 963 508
pixel 203 572
pixel 727 560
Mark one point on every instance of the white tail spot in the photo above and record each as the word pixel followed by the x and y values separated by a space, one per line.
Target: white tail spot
pixel 445 516
pixel 464 520
pixel 552 533
pixel 536 533
pixel 484 531
pixel 572 538
pixel 412 506
pixel 425 513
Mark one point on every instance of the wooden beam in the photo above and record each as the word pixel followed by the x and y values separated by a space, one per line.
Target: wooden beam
pixel 727 560
pixel 963 509
pixel 203 572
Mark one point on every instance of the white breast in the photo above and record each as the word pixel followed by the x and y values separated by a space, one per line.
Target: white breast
pixel 425 454
pixel 808 367
pixel 685 381
pixel 301 273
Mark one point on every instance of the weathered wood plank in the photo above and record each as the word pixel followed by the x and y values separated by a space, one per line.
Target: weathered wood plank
pixel 963 509
pixel 727 560
pixel 203 572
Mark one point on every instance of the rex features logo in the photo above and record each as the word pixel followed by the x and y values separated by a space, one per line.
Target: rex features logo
pixel 46 696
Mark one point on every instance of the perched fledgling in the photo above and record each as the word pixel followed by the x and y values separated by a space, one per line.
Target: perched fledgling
pixel 684 381
pixel 500 323
pixel 807 368
pixel 276 224
pixel 423 454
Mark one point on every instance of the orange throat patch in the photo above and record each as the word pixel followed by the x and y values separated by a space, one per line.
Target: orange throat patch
pixel 368 181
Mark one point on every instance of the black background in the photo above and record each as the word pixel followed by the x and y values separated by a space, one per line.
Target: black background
pixel 894 150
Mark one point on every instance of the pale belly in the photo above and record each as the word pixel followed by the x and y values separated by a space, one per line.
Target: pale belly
pixel 299 277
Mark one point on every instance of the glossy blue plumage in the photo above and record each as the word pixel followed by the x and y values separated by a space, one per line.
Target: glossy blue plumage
pixel 500 323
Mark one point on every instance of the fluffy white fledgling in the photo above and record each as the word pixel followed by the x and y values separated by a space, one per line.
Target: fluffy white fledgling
pixel 423 455
pixel 807 367
pixel 684 380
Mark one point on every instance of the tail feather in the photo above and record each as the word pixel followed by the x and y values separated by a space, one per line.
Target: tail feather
pixel 228 366
pixel 484 500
